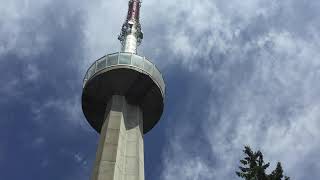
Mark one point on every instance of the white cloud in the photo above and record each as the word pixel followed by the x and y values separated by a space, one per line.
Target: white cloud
pixel 187 168
pixel 102 26
pixel 179 164
pixel 32 72
pixel 274 107
pixel 20 30
pixel 10 89
pixel 26 25
pixel 68 108
pixel 266 82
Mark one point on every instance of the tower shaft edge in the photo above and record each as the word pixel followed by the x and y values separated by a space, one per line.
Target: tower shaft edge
pixel 120 153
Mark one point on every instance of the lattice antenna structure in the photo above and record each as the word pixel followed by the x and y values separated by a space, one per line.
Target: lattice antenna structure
pixel 131 34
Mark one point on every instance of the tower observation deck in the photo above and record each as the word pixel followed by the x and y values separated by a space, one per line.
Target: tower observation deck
pixel 122 99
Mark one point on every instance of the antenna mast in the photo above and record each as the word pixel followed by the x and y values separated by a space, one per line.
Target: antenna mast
pixel 131 34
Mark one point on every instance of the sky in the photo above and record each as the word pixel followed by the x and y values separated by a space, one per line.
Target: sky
pixel 237 72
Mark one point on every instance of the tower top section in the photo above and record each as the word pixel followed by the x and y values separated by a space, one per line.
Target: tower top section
pixel 131 34
pixel 124 74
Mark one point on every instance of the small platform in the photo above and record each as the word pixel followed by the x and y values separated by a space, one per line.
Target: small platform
pixel 128 75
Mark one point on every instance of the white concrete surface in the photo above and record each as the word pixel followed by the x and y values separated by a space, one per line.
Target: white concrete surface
pixel 120 151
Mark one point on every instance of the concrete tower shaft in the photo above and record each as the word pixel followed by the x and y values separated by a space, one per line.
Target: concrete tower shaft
pixel 120 150
pixel 131 34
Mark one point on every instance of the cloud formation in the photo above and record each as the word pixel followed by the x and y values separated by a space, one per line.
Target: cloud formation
pixel 263 73
pixel 238 72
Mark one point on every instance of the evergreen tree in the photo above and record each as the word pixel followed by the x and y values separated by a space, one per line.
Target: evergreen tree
pixel 253 167
pixel 277 174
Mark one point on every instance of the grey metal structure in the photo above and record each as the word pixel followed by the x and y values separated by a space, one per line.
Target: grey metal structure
pixel 123 98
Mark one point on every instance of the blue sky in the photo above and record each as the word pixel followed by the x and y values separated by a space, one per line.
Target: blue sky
pixel 237 72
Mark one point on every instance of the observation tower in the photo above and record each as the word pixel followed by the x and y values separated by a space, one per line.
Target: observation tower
pixel 122 99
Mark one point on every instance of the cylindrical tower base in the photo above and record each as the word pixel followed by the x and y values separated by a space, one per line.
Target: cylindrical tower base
pixel 120 153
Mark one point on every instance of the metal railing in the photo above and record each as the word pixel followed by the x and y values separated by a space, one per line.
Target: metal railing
pixel 128 59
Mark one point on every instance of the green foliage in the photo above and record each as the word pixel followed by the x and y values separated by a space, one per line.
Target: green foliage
pixel 253 167
pixel 277 174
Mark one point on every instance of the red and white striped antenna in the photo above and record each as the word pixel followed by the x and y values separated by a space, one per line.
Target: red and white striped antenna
pixel 131 34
